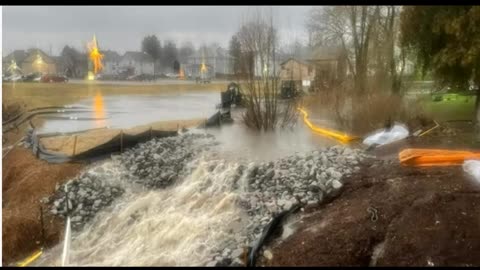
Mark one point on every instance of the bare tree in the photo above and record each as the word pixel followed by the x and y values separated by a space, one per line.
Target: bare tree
pixel 186 50
pixel 258 39
pixel 369 35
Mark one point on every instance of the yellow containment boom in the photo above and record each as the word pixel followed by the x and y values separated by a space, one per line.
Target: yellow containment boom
pixel 435 157
pixel 342 137
pixel 30 259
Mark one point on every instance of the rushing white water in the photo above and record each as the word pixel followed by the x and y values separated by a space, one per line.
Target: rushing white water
pixel 181 225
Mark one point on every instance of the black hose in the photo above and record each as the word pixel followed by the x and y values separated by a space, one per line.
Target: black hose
pixel 39 109
pixel 31 115
pixel 74 118
pixel 267 232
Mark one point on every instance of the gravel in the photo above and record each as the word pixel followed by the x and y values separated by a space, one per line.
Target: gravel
pixel 267 188
pixel 279 185
pixel 87 194
pixel 159 163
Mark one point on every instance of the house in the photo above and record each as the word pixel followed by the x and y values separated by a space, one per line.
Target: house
pixel 111 62
pixel 38 61
pixel 16 56
pixel 298 72
pixel 139 62
pixel 330 63
pixel 218 60
pixel 192 71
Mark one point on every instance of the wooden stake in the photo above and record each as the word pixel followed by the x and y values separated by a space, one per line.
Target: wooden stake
pixel 151 134
pixel 74 145
pixel 121 141
pixel 42 225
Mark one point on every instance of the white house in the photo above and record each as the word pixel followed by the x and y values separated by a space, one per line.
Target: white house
pixel 140 62
pixel 218 60
pixel 111 62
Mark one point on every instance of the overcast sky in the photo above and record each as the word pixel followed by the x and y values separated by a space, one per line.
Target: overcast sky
pixel 122 28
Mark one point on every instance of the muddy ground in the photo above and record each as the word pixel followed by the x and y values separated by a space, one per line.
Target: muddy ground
pixel 26 180
pixel 425 217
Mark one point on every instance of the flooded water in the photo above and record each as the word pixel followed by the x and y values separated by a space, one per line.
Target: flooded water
pixel 238 142
pixel 185 224
pixel 126 111
pixel 182 225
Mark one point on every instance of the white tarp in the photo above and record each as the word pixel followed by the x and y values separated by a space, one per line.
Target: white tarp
pixel 383 136
pixel 472 167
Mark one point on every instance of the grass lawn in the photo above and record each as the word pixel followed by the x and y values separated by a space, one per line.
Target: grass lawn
pixel 451 107
pixel 35 95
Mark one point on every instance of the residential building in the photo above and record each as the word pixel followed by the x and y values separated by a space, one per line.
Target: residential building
pixel 139 62
pixel 218 60
pixel 16 56
pixel 111 62
pixel 298 72
pixel 330 63
pixel 33 60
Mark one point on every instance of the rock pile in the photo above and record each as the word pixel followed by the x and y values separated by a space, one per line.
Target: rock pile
pixel 86 194
pixel 154 164
pixel 277 186
pixel 160 162
pixel 264 189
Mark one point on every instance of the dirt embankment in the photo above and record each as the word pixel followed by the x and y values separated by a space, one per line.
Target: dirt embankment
pixel 26 180
pixel 425 217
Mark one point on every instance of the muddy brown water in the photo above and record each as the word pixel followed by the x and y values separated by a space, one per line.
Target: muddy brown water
pixel 126 111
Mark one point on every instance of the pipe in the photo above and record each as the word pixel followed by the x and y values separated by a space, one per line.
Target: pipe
pixel 341 137
pixel 66 243
pixel 30 259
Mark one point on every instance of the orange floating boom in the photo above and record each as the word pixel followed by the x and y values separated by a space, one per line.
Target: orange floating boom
pixel 342 137
pixel 435 157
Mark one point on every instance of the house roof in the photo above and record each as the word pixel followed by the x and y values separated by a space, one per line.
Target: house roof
pixel 57 59
pixel 138 56
pixel 325 53
pixel 111 56
pixel 17 55
pixel 210 53
pixel 34 53
pixel 297 60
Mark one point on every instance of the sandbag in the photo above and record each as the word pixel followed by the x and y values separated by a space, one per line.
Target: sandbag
pixel 472 167
pixel 384 136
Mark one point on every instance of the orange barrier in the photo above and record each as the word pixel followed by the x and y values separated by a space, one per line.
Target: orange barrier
pixel 435 157
pixel 342 137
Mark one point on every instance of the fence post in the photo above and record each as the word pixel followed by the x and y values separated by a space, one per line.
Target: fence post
pixel 42 225
pixel 151 135
pixel 121 141
pixel 74 145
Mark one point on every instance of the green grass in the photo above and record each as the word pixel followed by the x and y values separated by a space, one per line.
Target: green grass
pixel 452 107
